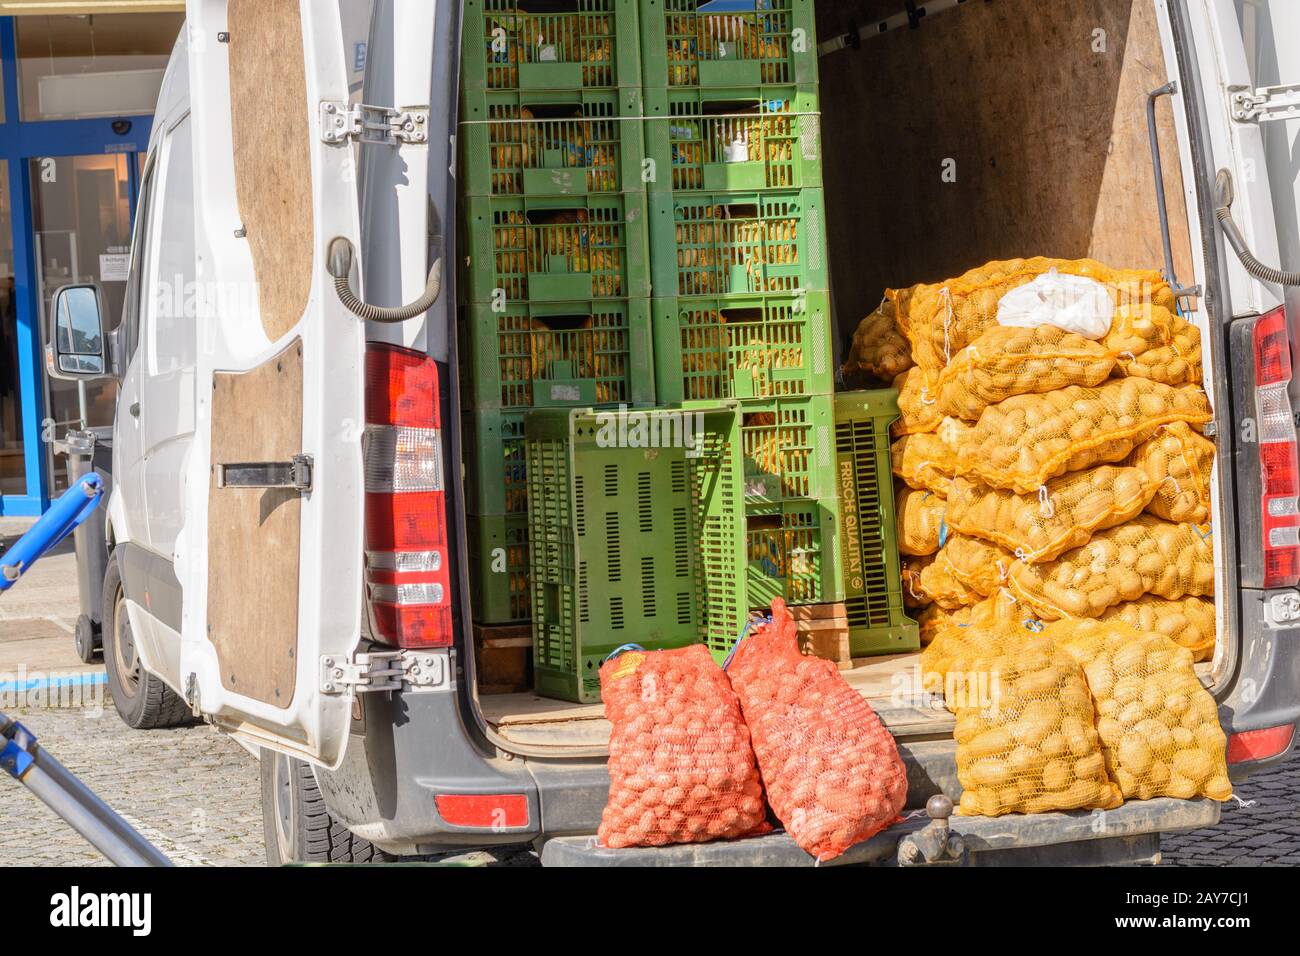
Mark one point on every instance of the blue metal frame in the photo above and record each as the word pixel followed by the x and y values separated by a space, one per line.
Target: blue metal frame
pixel 19 143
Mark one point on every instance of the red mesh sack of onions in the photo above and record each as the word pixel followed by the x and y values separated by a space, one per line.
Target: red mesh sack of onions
pixel 681 769
pixel 830 768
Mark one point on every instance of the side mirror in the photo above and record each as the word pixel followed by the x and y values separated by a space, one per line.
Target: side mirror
pixel 75 348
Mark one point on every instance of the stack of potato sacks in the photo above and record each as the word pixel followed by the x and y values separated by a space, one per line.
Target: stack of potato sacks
pixel 1047 477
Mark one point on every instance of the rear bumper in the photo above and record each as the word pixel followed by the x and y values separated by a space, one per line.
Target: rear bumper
pixel 1129 834
pixel 406 750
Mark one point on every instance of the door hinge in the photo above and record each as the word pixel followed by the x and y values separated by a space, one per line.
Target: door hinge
pixel 1268 104
pixel 295 474
pixel 372 671
pixel 344 122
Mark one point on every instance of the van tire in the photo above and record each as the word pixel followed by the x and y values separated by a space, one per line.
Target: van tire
pixel 141 699
pixel 297 827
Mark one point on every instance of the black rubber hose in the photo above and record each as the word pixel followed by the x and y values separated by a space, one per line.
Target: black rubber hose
pixel 340 267
pixel 1253 266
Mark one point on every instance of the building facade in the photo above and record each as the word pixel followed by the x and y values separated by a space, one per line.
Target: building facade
pixel 78 95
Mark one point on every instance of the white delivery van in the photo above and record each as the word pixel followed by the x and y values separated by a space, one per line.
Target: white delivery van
pixel 287 526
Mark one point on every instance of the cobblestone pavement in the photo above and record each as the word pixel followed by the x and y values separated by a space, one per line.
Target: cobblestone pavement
pixel 191 791
pixel 1264 830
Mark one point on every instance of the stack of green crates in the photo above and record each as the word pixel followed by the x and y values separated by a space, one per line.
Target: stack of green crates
pixel 741 307
pixel 631 540
pixel 556 304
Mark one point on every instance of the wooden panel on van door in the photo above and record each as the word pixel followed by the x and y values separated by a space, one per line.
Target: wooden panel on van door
pixel 253 533
pixel 271 132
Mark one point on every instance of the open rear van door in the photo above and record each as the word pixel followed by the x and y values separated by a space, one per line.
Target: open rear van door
pixel 1244 59
pixel 270 558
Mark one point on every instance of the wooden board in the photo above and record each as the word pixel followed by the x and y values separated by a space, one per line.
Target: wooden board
pixel 1047 131
pixel 817 612
pixel 253 533
pixel 271 133
pixel 825 637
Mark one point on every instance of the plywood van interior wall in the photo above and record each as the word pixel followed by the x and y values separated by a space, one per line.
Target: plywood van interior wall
pixel 993 131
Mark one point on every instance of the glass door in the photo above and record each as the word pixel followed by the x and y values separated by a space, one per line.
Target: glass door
pixel 13 477
pixel 81 232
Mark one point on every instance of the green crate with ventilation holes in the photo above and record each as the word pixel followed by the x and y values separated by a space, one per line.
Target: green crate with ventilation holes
pixel 870 564
pixel 635 534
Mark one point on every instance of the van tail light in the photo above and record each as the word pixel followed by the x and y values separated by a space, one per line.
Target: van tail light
pixel 1259 744
pixel 407 579
pixel 1279 467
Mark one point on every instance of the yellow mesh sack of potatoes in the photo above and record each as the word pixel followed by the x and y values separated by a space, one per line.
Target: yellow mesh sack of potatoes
pixel 982 630
pixel 920 522
pixel 940 319
pixel 1188 622
pixel 925 462
pixel 976 565
pixel 1146 556
pixel 1150 341
pixel 934 620
pixel 1064 514
pixel 1029 743
pixel 1159 727
pixel 938 584
pixel 917 407
pixel 1179 461
pixel 1028 440
pixel 878 349
pixel 1006 361
pixel 913 594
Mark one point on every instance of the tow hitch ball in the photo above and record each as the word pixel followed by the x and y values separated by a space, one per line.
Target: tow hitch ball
pixel 935 844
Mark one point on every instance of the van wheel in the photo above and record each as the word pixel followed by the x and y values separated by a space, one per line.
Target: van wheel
pixel 142 700
pixel 297 827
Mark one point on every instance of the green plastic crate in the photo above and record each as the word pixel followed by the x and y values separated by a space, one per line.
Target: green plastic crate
pixel 723 145
pixel 586 353
pixel 498 561
pixel 566 144
pixel 873 589
pixel 495 468
pixel 742 347
pixel 630 543
pixel 525 250
pixel 734 50
pixel 793 552
pixel 574 44
pixel 788 449
pixel 710 244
